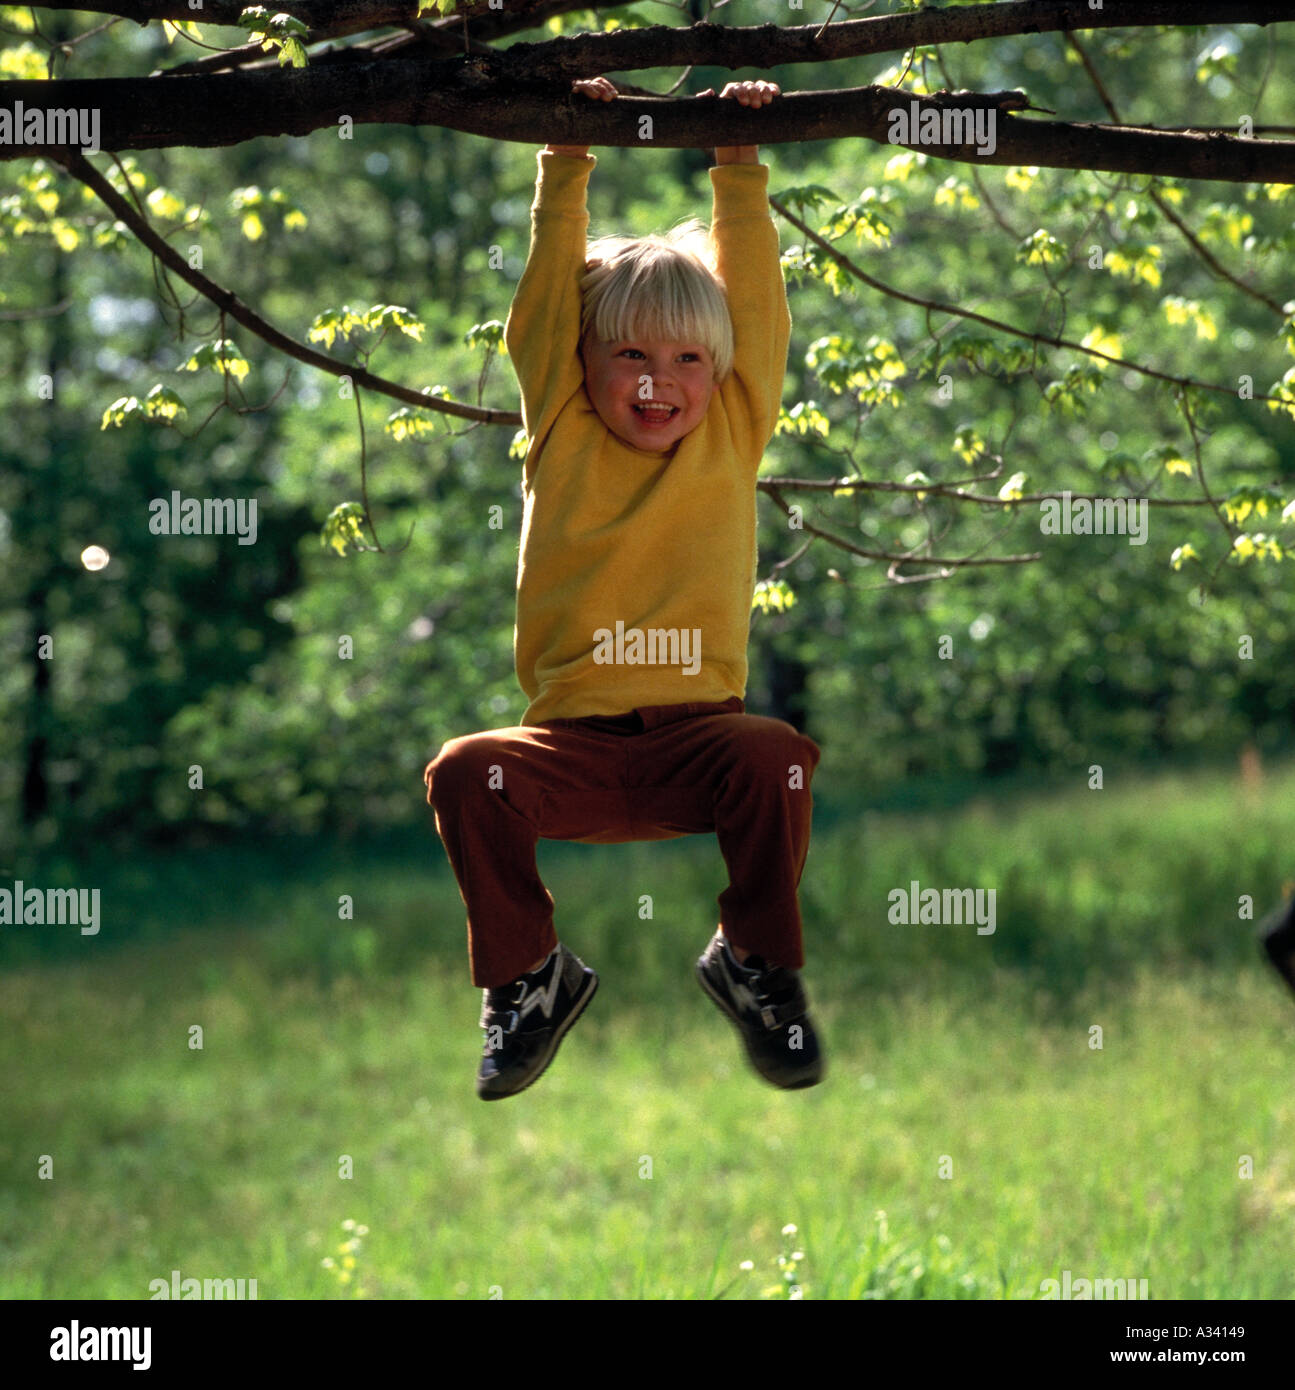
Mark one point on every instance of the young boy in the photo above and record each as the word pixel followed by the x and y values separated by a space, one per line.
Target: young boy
pixel 650 385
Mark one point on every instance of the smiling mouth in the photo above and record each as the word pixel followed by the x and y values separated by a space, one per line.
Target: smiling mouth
pixel 655 415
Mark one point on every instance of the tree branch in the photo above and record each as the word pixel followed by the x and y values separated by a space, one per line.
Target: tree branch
pixel 228 302
pixel 907 559
pixel 523 93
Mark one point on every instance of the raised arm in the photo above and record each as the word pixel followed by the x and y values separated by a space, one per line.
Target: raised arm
pixel 542 333
pixel 748 260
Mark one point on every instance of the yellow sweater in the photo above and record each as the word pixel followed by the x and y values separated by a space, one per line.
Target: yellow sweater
pixel 636 570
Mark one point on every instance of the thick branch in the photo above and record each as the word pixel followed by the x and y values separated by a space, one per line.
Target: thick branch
pixel 496 97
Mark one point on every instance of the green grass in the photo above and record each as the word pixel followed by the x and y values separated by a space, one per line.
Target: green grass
pixel 325 1038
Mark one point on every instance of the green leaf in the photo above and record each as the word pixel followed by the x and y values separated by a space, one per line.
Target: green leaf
pixel 967 443
pixel 803 418
pixel 1012 489
pixel 343 528
pixel 776 595
pixel 1040 248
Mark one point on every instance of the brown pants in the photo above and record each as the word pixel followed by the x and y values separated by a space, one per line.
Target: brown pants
pixel 657 773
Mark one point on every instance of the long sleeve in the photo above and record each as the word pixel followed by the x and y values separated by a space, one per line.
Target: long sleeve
pixel 542 333
pixel 746 242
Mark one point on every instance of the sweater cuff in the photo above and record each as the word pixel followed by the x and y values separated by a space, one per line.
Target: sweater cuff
pixel 562 183
pixel 741 190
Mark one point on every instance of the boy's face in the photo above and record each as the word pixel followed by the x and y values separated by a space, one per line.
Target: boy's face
pixel 682 376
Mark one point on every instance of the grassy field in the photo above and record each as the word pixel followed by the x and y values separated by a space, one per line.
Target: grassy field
pixel 649 1161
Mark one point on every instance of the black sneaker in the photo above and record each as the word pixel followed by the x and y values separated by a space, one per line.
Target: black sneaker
pixel 526 1020
pixel 1277 934
pixel 768 1007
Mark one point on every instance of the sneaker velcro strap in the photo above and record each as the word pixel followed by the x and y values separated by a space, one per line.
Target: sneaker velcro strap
pixel 507 1019
pixel 775 1015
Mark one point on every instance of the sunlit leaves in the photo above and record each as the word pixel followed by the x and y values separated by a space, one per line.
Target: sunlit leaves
pixel 1251 499
pixel 1168 456
pixel 1183 553
pixel 900 166
pixel 251 202
pixel 1224 222
pixel 1021 177
pixel 1219 58
pixel 113 236
pixel 25 63
pixel 956 193
pixel 967 443
pixel 409 423
pixel 1181 311
pixel 1284 391
pixel 1012 489
pixel 1040 248
pixel 489 334
pixel 1136 261
pixel 327 325
pixel 36 209
pixel 803 418
pixel 1287 330
pixel 344 528
pixel 161 403
pixel 282 31
pixel 866 372
pixel 862 217
pixel 221 356
pixel 773 595
pixel 18 17
pixel 387 316
pixel 1100 340
pixel 1256 547
pixel 173 27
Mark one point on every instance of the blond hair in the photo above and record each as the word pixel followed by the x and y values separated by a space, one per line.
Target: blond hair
pixel 660 288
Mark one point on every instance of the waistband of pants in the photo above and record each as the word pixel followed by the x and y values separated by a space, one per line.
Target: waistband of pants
pixel 644 717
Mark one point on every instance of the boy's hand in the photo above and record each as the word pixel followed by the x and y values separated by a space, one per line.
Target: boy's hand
pixel 597 89
pixel 749 94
